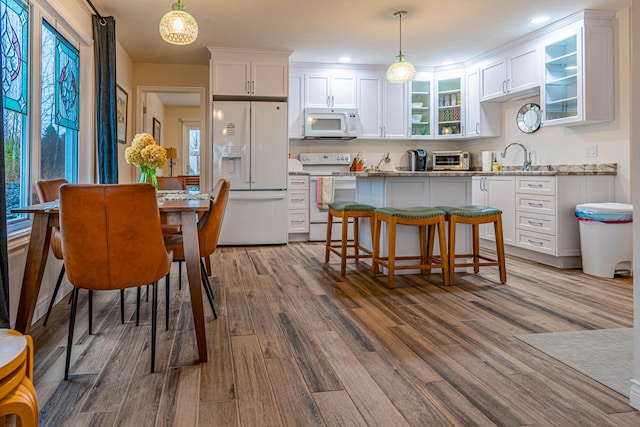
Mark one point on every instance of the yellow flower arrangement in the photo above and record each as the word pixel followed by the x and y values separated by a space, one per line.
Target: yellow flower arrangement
pixel 144 151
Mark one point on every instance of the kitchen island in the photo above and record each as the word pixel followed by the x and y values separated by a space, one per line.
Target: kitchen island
pixel 538 205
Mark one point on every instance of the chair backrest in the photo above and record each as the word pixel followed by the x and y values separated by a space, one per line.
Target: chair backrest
pixel 211 222
pixel 171 183
pixel 111 236
pixel 48 190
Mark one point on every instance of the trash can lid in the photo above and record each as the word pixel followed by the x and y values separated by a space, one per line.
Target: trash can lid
pixel 605 212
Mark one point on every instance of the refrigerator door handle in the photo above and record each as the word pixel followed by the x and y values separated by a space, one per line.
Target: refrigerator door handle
pixel 257 196
pixel 253 146
pixel 247 172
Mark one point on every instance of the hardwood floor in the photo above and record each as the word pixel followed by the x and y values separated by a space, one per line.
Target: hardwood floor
pixel 297 344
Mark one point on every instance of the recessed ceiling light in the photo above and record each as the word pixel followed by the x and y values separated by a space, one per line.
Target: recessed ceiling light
pixel 540 19
pixel 345 59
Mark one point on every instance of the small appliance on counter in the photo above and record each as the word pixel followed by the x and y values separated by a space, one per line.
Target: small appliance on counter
pixel 450 160
pixel 417 160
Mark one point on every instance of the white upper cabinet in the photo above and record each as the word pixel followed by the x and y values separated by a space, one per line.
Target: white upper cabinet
pixel 333 90
pixel 512 76
pixel 296 104
pixel 450 103
pixel 482 119
pixel 382 107
pixel 578 71
pixel 247 73
pixel 421 93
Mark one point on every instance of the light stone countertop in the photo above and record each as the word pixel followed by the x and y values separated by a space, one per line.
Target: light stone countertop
pixel 538 170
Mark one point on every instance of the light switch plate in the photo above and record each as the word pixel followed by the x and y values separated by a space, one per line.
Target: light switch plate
pixel 591 151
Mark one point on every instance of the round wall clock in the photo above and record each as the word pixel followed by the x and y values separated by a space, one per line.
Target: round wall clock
pixel 529 118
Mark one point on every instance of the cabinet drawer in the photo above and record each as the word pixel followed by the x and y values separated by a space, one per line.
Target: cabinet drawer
pixel 536 204
pixel 538 242
pixel 298 199
pixel 298 182
pixel 536 185
pixel 545 224
pixel 299 221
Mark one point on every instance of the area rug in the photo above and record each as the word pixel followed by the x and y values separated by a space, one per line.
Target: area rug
pixel 606 355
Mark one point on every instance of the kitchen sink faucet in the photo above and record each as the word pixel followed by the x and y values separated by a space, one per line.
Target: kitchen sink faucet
pixel 527 155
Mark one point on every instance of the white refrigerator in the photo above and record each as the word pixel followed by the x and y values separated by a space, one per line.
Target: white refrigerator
pixel 250 149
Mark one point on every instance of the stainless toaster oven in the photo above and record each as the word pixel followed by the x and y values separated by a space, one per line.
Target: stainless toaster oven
pixel 450 160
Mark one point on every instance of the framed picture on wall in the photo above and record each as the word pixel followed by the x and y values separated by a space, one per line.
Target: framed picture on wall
pixel 156 130
pixel 122 99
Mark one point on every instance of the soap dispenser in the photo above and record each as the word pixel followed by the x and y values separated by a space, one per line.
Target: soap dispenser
pixel 495 166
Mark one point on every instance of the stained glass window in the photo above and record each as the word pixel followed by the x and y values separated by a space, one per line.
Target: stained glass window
pixel 14 37
pixel 59 112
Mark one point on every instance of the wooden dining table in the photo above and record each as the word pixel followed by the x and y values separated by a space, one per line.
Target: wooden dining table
pixel 176 209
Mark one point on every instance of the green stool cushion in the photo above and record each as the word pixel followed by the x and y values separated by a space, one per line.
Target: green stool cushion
pixel 416 212
pixel 470 211
pixel 350 206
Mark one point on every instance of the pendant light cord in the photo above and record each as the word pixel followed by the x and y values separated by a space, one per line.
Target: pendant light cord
pixel 399 16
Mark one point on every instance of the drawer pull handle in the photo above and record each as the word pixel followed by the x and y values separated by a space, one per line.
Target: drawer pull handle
pixel 536 223
pixel 534 185
pixel 297 182
pixel 297 200
pixel 535 204
pixel 535 243
pixel 297 222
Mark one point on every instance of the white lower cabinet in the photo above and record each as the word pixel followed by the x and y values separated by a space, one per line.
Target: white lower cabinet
pixel 538 212
pixel 298 207
pixel 497 192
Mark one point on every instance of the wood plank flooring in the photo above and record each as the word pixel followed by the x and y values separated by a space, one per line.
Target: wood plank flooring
pixel 297 344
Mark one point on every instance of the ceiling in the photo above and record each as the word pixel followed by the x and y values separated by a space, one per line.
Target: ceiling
pixel 434 31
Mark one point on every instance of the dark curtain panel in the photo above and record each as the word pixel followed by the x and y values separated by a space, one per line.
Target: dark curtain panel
pixel 4 254
pixel 104 42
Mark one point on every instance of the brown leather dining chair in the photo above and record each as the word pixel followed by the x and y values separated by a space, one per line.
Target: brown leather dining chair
pixel 171 183
pixel 209 226
pixel 48 190
pixel 112 239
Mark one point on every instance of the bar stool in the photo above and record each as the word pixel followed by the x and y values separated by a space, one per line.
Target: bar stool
pixel 422 217
pixel 346 210
pixel 475 216
pixel 17 395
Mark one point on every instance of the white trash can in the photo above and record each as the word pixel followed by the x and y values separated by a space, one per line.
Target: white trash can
pixel 606 237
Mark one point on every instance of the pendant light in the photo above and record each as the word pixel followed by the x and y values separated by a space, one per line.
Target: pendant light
pixel 401 71
pixel 178 26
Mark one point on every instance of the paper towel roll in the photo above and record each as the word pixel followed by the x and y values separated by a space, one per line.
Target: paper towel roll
pixel 486 161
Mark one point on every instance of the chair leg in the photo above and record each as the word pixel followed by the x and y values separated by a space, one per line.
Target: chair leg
pixel 138 296
pixel 72 322
pixel 166 304
pixel 147 293
pixel 392 252
pixel 207 264
pixel 475 231
pixel 154 321
pixel 207 288
pixel 356 238
pixel 328 241
pixel 122 306
pixel 452 248
pixel 375 245
pixel 444 257
pixel 424 249
pixel 500 250
pixel 180 275
pixel 343 257
pixel 55 294
pixel 90 312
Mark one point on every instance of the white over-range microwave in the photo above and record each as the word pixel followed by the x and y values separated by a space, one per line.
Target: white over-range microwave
pixel 335 123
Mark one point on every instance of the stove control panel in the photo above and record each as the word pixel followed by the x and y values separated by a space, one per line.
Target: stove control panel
pixel 325 158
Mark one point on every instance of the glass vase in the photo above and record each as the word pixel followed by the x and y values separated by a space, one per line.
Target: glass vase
pixel 148 175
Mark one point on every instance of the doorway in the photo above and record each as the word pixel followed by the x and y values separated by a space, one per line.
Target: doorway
pixel 176 114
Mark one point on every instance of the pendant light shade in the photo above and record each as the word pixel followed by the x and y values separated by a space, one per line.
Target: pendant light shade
pixel 178 26
pixel 401 71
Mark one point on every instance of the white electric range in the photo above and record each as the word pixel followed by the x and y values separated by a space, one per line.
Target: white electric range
pixel 323 165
